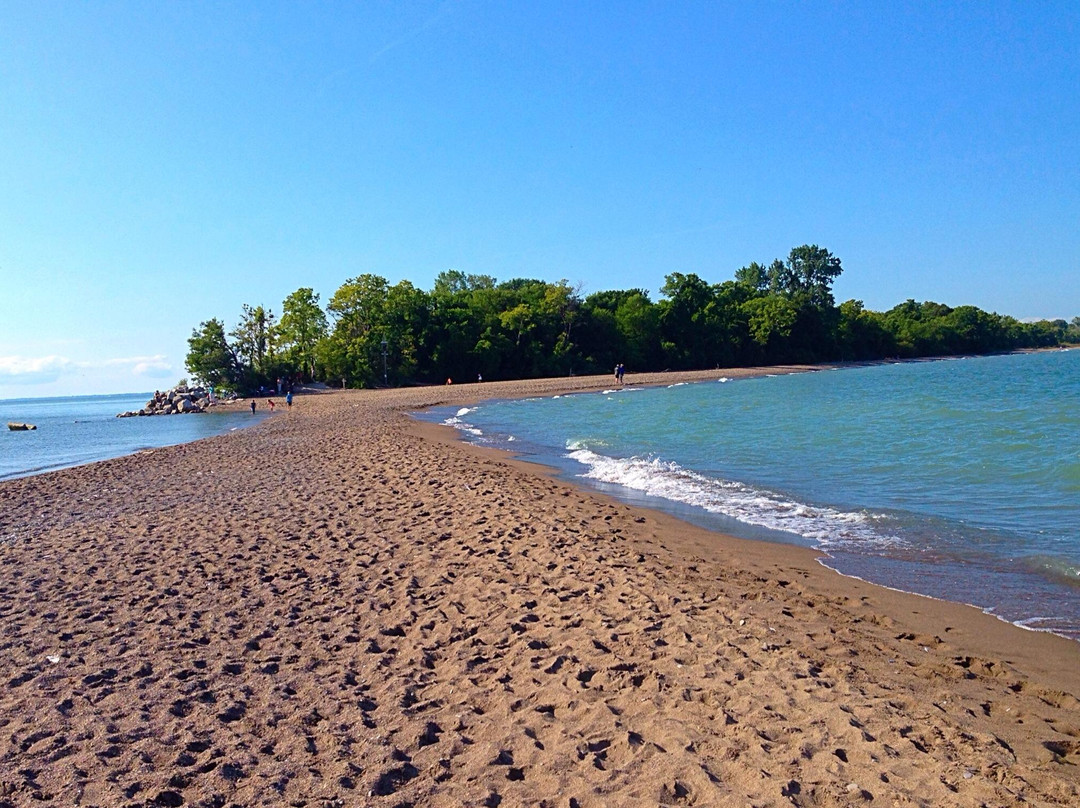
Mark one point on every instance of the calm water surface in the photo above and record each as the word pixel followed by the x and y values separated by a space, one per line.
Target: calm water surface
pixel 958 479
pixel 74 430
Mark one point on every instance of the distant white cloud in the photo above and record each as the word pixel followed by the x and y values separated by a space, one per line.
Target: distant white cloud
pixel 154 367
pixel 33 370
pixel 48 369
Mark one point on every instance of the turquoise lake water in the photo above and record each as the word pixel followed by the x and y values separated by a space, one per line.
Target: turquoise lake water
pixel 958 479
pixel 73 430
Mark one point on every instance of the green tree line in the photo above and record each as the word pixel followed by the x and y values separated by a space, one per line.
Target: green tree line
pixel 469 326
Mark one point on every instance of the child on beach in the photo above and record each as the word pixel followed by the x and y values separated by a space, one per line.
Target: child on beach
pixel 270 401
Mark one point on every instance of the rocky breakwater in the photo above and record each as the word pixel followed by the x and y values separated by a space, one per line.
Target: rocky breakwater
pixel 178 401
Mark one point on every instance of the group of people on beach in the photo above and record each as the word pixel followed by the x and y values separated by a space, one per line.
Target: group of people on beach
pixel 270 402
pixel 620 371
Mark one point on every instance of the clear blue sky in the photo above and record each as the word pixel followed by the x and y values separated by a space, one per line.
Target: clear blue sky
pixel 164 163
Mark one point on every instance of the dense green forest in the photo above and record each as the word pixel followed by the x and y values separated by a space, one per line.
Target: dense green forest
pixel 371 333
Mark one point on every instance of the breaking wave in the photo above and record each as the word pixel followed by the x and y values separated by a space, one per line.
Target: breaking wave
pixel 824 526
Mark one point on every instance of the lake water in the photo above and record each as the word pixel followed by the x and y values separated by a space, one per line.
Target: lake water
pixel 958 479
pixel 74 430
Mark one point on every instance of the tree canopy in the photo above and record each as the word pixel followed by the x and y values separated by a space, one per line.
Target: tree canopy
pixel 469 325
pixel 303 325
pixel 210 356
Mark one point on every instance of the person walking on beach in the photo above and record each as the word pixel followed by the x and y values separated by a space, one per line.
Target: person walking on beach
pixel 271 403
pixel 288 399
pixel 252 406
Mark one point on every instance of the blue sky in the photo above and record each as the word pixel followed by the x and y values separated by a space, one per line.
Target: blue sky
pixel 165 163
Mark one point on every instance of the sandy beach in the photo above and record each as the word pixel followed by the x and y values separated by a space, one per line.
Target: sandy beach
pixel 343 606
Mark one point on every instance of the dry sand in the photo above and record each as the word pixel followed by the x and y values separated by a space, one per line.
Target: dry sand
pixel 341 606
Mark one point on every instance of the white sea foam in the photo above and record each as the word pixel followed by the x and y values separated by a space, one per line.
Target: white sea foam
pixel 463 426
pixel 464 411
pixel 826 527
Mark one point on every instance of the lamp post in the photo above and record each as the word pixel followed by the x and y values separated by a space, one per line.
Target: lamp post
pixel 385 384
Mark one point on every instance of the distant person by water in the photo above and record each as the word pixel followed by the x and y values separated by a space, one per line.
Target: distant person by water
pixel 271 403
pixel 288 399
pixel 253 406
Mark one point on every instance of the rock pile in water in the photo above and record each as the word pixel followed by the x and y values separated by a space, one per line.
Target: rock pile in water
pixel 177 401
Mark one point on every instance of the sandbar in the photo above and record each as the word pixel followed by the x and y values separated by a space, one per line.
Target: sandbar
pixel 345 606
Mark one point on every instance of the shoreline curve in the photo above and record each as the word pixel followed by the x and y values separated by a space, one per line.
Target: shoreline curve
pixel 344 605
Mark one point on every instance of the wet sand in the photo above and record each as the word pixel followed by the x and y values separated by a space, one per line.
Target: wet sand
pixel 343 606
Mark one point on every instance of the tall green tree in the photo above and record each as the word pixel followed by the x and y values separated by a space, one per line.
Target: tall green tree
pixel 455 282
pixel 754 277
pixel 454 326
pixel 1072 331
pixel 860 334
pixel 598 333
pixel 809 271
pixel 729 319
pixel 637 322
pixel 688 334
pixel 367 311
pixel 770 320
pixel 358 308
pixel 464 334
pixel 303 324
pixel 253 340
pixel 619 326
pixel 210 358
pixel 405 317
